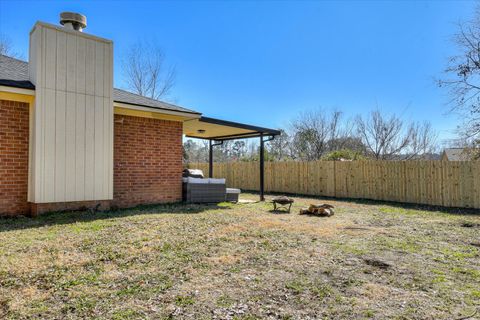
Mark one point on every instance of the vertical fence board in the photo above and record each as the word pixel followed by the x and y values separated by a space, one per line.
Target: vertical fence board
pixel 476 183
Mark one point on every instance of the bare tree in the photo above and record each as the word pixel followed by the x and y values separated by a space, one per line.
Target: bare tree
pixel 423 140
pixel 230 150
pixel 146 72
pixel 462 78
pixel 349 142
pixel 388 138
pixel 238 150
pixel 313 133
pixel 383 137
pixel 6 47
pixel 280 147
pixel 195 150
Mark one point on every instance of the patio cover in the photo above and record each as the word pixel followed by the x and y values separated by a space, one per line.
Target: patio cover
pixel 220 130
pixel 217 131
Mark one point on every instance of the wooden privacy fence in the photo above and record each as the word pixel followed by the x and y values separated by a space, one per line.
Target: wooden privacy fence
pixel 443 183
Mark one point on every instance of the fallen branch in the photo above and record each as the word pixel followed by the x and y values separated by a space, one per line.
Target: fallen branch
pixel 467 317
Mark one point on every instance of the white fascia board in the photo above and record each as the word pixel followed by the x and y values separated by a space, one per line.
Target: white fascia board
pixel 28 92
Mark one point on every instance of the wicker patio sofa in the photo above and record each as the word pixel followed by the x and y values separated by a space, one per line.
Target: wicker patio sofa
pixel 197 189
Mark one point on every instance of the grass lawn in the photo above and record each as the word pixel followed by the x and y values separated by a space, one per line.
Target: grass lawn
pixel 370 260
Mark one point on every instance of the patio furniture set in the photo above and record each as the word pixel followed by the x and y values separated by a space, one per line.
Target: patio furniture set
pixel 198 189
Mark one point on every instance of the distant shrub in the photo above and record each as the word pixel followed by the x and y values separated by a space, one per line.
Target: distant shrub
pixel 344 154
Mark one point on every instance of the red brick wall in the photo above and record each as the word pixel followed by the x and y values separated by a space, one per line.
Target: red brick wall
pixel 14 122
pixel 147 161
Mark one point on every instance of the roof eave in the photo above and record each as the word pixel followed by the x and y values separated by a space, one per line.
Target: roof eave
pixel 265 131
pixel 188 115
pixel 30 90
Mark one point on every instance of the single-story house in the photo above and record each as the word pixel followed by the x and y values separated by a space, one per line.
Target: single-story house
pixel 457 154
pixel 70 140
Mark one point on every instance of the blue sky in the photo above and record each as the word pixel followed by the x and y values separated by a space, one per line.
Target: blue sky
pixel 264 62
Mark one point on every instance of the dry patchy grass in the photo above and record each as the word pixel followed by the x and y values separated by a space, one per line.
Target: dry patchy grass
pixel 370 260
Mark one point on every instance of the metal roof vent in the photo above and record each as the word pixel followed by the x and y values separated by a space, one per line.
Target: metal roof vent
pixel 74 21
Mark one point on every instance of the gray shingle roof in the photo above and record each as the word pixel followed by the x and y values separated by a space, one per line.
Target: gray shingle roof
pixel 457 154
pixel 123 96
pixel 14 73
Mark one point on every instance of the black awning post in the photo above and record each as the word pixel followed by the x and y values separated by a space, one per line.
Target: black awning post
pixel 262 167
pixel 210 156
pixel 210 159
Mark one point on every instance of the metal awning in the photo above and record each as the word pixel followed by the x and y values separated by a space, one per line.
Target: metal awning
pixel 217 131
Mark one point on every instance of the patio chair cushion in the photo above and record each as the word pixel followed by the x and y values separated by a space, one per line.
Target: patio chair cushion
pixel 216 181
pixel 194 173
pixel 197 180
pixel 233 190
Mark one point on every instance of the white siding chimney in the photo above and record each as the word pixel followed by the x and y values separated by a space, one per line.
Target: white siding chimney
pixel 72 119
